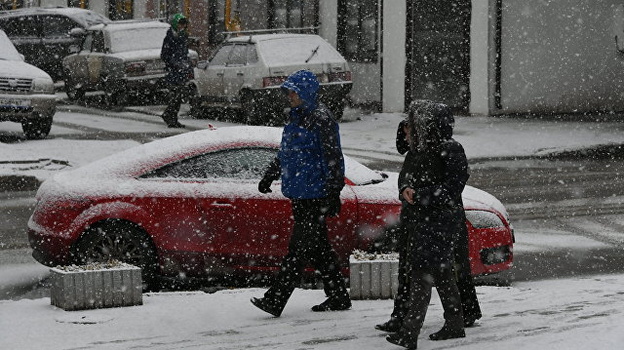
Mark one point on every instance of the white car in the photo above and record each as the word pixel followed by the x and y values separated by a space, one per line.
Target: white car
pixel 118 58
pixel 26 92
pixel 245 73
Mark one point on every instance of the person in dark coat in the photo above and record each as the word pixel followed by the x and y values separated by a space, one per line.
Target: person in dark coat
pixel 470 303
pixel 175 54
pixel 431 181
pixel 311 166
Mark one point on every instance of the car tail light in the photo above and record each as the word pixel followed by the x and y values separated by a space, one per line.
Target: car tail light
pixel 323 78
pixel 340 76
pixel 136 67
pixel 273 81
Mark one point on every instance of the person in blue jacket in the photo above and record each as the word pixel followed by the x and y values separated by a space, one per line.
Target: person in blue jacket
pixel 311 166
pixel 175 55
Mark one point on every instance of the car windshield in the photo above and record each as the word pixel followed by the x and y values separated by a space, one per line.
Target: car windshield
pixel 7 50
pixel 137 39
pixel 298 50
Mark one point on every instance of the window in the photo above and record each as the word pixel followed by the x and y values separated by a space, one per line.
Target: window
pixel 357 30
pixel 293 13
pixel 83 4
pixel 242 164
pixel 57 26
pixel 120 9
pixel 235 55
pixel 20 27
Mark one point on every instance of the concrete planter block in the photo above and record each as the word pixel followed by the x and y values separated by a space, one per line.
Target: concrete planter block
pixel 373 276
pixel 96 286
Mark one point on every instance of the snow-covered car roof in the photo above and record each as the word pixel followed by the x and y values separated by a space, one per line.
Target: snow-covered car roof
pixel 280 49
pixel 124 36
pixel 84 17
pixel 133 162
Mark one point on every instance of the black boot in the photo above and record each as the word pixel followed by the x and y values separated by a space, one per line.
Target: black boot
pixel 391 326
pixel 267 306
pixel 404 339
pixel 450 330
pixel 333 304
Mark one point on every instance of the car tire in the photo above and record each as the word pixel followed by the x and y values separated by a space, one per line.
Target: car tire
pixel 119 240
pixel 72 90
pixel 37 129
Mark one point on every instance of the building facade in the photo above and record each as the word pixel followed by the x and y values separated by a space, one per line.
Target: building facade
pixel 483 57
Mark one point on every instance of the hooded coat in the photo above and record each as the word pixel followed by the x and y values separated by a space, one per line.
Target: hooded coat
pixel 310 158
pixel 437 169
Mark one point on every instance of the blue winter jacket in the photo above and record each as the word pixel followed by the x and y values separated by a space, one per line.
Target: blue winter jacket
pixel 310 158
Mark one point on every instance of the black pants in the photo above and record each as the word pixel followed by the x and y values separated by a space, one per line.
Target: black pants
pixel 309 244
pixel 421 283
pixel 174 101
pixel 465 283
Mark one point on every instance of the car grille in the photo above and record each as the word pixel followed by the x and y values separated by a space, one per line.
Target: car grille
pixel 15 85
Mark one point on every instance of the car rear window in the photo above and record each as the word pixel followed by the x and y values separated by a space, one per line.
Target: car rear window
pixel 298 50
pixel 137 39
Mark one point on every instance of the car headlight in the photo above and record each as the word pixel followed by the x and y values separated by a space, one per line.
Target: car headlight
pixel 483 219
pixel 42 86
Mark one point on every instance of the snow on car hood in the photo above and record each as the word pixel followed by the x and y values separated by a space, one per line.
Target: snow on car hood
pixel 21 70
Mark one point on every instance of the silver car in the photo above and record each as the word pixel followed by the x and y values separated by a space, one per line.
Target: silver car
pixel 245 73
pixel 26 92
pixel 118 58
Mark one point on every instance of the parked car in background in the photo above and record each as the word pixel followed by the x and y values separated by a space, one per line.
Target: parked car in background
pixel 26 92
pixel 188 206
pixel 245 73
pixel 42 34
pixel 118 58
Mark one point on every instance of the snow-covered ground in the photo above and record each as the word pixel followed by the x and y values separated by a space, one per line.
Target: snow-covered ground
pixel 574 313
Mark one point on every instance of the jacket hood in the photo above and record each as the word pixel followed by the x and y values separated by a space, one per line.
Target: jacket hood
pixel 431 123
pixel 306 85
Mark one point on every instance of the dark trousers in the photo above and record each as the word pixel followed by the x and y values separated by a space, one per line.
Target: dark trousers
pixel 421 283
pixel 174 101
pixel 309 244
pixel 465 283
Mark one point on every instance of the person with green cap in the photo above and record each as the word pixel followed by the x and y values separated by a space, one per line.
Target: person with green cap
pixel 175 54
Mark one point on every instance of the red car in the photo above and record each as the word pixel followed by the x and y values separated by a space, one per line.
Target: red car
pixel 188 206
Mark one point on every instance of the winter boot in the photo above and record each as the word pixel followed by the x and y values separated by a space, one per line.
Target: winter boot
pixel 267 306
pixel 450 330
pixel 391 326
pixel 333 304
pixel 404 339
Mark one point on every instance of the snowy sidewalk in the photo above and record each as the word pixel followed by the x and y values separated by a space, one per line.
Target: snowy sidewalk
pixel 581 313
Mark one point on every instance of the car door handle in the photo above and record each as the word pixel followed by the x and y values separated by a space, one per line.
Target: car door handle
pixel 219 74
pixel 218 204
pixel 240 74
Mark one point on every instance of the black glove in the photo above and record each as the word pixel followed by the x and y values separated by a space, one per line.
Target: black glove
pixel 331 207
pixel 264 186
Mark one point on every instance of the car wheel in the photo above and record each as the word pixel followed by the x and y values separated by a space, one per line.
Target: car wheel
pixel 119 240
pixel 37 129
pixel 72 90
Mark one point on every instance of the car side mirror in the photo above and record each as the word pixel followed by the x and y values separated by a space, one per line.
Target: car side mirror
pixel 202 64
pixel 77 32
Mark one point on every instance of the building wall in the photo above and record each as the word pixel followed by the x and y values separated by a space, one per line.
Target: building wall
pixel 561 56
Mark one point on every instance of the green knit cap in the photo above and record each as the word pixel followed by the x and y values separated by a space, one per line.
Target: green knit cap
pixel 177 18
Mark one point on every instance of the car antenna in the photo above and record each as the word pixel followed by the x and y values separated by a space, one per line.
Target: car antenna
pixel 313 53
